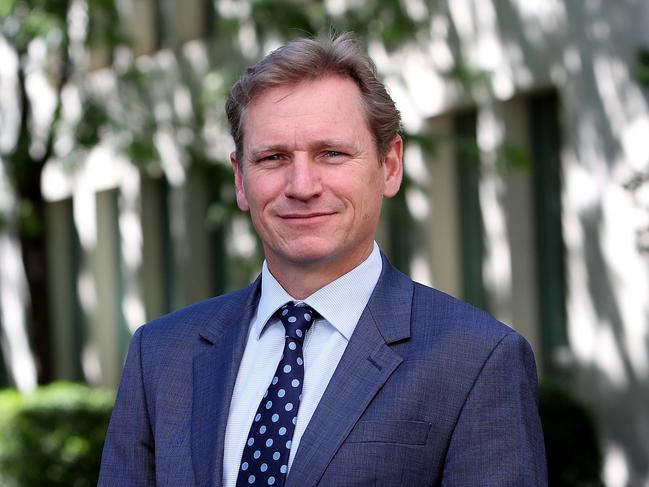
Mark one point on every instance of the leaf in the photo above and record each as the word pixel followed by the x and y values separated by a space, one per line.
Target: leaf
pixel 37 24
pixel 142 152
pixel 467 74
pixel 29 219
pixel 104 27
pixel 513 157
pixel 428 143
pixel 281 17
pixel 60 428
pixel 5 7
pixel 642 66
pixel 93 118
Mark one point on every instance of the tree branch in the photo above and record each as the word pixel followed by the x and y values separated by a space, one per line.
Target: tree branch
pixel 66 73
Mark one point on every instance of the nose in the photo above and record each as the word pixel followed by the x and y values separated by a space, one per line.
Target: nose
pixel 303 179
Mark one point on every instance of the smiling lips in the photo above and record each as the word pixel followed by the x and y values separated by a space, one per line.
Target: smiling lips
pixel 303 217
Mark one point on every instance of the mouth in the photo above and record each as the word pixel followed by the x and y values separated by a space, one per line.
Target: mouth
pixel 306 217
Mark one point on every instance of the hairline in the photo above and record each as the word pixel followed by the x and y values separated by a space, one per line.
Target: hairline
pixel 326 74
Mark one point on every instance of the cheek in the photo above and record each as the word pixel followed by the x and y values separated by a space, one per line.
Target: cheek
pixel 369 198
pixel 373 209
pixel 258 194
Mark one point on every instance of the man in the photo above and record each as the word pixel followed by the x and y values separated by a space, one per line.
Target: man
pixel 332 368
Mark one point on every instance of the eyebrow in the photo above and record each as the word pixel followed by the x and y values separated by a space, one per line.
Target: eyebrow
pixel 266 150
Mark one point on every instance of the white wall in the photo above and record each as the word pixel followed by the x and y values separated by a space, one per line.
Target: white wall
pixel 585 50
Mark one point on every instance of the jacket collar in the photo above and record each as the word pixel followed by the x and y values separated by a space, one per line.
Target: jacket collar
pixel 214 374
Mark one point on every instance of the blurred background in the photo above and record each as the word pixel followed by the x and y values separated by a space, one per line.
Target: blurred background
pixel 527 167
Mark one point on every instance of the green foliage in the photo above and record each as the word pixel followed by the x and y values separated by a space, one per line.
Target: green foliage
pixel 53 436
pixel 513 157
pixel 467 74
pixel 104 30
pixel 386 20
pixel 642 66
pixel 23 21
pixel 94 117
pixel 571 444
pixel 29 219
pixel 5 7
pixel 427 143
pixel 285 18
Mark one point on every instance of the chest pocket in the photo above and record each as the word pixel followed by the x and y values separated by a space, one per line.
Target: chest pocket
pixel 396 432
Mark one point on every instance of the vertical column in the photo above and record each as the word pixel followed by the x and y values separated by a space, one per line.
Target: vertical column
pixel 218 232
pixel 143 26
pixel 157 275
pixel 110 332
pixel 198 252
pixel 444 227
pixel 188 20
pixel 521 231
pixel 208 10
pixel 63 250
pixel 398 230
pixel 471 225
pixel 543 113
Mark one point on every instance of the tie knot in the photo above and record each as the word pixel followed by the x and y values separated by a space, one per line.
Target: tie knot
pixel 297 318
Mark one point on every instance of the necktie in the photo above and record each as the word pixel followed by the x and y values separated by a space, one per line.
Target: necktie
pixel 268 445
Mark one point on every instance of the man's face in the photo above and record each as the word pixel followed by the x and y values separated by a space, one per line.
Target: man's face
pixel 311 177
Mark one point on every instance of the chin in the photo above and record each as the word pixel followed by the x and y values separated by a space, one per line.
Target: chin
pixel 309 256
pixel 326 255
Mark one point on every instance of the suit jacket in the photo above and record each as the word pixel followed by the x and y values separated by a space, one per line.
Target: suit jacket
pixel 430 391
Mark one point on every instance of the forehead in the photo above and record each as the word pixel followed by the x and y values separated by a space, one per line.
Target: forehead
pixel 327 108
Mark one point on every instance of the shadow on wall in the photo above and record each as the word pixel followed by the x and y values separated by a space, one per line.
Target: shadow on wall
pixel 617 391
pixel 571 443
pixel 621 404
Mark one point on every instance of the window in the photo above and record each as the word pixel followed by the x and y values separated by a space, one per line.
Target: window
pixel 471 225
pixel 543 113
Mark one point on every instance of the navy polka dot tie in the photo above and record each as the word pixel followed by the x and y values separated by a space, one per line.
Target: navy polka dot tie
pixel 268 445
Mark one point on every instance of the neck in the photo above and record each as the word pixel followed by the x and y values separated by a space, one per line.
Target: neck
pixel 301 280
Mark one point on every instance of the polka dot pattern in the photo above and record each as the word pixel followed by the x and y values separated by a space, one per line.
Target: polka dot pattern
pixel 265 456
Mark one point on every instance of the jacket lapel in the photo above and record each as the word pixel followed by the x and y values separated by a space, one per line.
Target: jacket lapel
pixel 215 372
pixel 364 368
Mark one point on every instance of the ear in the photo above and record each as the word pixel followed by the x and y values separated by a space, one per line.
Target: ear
pixel 242 202
pixel 393 168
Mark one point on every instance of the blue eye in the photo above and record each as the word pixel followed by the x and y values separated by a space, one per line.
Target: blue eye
pixel 333 153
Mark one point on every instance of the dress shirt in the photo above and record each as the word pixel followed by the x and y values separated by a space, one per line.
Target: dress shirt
pixel 340 305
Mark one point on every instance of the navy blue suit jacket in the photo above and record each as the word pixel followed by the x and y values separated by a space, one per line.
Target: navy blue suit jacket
pixel 430 391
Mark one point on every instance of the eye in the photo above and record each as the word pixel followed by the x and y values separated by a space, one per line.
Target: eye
pixel 271 157
pixel 333 153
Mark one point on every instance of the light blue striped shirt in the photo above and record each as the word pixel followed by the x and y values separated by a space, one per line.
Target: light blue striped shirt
pixel 340 304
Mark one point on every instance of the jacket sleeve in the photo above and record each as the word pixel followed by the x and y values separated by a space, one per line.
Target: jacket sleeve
pixel 129 450
pixel 498 440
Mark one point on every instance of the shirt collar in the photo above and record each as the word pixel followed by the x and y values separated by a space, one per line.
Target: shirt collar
pixel 341 302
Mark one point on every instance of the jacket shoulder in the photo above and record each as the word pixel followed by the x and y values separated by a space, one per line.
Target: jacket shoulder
pixel 448 318
pixel 206 316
